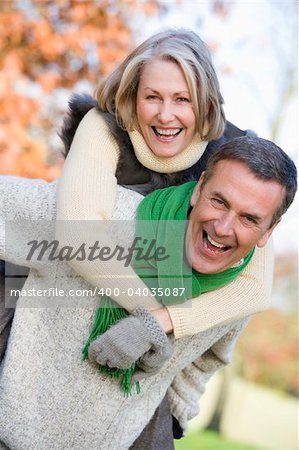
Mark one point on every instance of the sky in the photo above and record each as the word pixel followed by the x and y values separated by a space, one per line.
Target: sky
pixel 254 49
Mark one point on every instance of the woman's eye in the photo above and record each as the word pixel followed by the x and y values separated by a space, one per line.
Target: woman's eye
pixel 152 97
pixel 183 100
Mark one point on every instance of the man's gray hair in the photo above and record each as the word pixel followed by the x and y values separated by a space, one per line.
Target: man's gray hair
pixel 265 160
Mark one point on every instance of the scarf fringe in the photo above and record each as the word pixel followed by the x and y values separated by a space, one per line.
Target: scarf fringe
pixel 106 316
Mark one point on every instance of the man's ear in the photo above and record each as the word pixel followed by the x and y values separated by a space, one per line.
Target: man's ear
pixel 264 239
pixel 196 191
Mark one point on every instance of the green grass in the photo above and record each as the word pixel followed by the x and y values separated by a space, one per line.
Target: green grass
pixel 209 440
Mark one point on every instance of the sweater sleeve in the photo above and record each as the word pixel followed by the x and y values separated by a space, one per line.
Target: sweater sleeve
pixel 189 385
pixel 86 196
pixel 6 315
pixel 249 294
pixel 23 202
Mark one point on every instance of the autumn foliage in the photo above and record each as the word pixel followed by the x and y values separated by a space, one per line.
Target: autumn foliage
pixel 47 46
pixel 267 353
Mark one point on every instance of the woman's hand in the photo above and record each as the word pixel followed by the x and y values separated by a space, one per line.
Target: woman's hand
pixel 163 317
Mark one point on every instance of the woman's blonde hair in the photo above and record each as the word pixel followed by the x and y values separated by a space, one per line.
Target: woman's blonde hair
pixel 117 93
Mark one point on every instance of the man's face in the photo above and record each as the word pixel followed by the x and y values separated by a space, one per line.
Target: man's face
pixel 231 213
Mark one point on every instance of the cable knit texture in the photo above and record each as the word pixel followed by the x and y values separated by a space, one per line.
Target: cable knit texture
pixel 129 339
pixel 157 335
pixel 48 398
pixel 249 294
pixel 182 161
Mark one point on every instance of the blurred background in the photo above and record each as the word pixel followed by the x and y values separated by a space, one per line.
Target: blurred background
pixel 50 49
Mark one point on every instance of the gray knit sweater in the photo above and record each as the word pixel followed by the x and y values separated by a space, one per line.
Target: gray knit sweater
pixel 49 399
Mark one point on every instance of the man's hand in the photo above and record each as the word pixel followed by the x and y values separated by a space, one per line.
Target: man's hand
pixel 138 337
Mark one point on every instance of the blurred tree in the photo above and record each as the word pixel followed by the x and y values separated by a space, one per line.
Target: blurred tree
pixel 47 48
pixel 267 353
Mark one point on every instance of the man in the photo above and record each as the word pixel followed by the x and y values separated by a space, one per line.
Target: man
pixel 47 398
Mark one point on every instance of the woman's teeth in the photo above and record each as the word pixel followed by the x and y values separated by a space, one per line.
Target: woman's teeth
pixel 162 132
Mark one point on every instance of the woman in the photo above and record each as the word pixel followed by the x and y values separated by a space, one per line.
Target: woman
pixel 157 112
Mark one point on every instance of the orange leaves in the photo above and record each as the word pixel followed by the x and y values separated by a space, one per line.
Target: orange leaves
pixel 41 31
pixel 81 12
pixel 48 81
pixel 12 28
pixel 148 7
pixel 49 45
pixel 22 156
pixel 32 163
pixel 11 62
pixel 44 47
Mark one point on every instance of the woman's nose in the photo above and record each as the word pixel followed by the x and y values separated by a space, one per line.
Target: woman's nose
pixel 166 113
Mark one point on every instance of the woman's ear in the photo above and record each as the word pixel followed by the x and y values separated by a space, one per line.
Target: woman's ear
pixel 196 192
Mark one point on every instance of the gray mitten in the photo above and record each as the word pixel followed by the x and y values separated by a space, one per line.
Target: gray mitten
pixel 128 340
pixel 151 362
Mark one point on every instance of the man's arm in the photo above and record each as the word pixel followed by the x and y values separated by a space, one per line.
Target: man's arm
pixel 189 385
pixel 22 202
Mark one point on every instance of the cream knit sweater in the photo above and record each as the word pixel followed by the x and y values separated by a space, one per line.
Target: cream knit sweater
pixel 49 399
pixel 93 158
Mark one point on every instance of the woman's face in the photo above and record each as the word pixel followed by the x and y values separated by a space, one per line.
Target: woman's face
pixel 164 108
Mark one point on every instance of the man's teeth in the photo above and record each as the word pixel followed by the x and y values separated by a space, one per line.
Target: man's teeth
pixel 216 244
pixel 171 132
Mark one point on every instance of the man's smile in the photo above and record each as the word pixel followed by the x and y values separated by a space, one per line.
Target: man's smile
pixel 213 246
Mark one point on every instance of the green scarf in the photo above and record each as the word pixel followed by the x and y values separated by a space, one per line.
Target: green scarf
pixel 161 220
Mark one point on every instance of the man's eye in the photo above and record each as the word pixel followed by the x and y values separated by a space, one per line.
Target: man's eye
pixel 249 220
pixel 217 201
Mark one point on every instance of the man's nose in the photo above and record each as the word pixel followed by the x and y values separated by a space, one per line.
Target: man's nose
pixel 166 112
pixel 224 225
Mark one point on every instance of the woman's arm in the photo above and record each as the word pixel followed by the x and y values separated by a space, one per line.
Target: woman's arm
pixel 86 196
pixel 248 294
